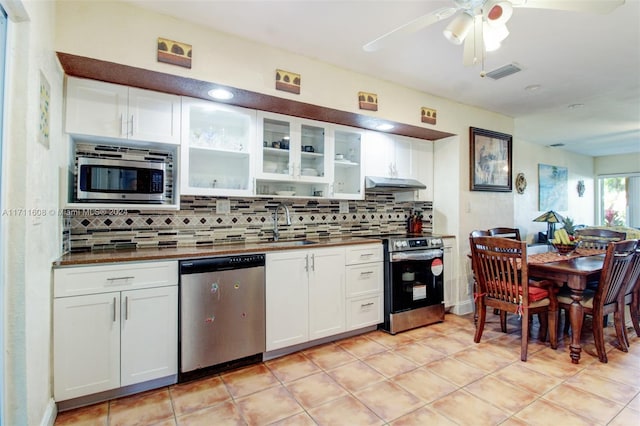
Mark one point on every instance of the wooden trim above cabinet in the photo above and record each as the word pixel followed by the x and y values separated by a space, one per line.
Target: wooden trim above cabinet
pixel 111 72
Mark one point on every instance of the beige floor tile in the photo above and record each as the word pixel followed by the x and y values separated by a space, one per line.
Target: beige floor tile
pixel 419 353
pixel 361 347
pixel 466 409
pixel 610 389
pixel 345 410
pixel 504 395
pixel 482 359
pixel 544 413
pixel 614 370
pixel 199 394
pixel 415 382
pixel 390 364
pixel 249 380
pixel 225 414
pixel 519 375
pixel 93 415
pixel 446 344
pixel 292 367
pixel 635 403
pixel 553 364
pixel 329 356
pixel 626 417
pixel 142 409
pixel 355 375
pixel 388 400
pixel 300 419
pixel 455 371
pixel 421 333
pixel 268 406
pixel 315 390
pixel 421 417
pixel 168 422
pixel 583 403
pixel 389 340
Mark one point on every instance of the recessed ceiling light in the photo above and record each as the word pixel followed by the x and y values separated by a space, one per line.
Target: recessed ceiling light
pixel 221 94
pixel 384 126
pixel 532 87
pixel 575 106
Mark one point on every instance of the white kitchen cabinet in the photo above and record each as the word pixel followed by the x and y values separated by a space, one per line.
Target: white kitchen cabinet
pixel 99 109
pixel 450 272
pixel 293 155
pixel 364 289
pixel 86 345
pixel 304 295
pixel 217 149
pixel 120 331
pixel 348 171
pixel 422 167
pixel 388 155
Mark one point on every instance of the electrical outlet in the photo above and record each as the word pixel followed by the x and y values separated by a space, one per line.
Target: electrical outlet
pixel 344 206
pixel 223 207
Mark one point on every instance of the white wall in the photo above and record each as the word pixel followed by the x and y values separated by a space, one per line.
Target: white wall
pixel 30 176
pixel 613 164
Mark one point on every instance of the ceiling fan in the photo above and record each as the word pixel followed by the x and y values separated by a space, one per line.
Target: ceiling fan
pixel 481 24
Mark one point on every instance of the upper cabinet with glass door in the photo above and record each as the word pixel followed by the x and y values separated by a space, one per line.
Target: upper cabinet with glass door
pixel 295 155
pixel 348 173
pixel 216 150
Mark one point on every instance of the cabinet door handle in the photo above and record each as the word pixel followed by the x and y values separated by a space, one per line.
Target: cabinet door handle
pixel 306 263
pixel 126 308
pixel 119 278
pixel 123 125
pixel 366 272
pixel 313 262
pixel 366 255
pixel 365 305
pixel 114 310
pixel 131 126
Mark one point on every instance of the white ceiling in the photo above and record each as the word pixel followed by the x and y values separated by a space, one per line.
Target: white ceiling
pixel 575 57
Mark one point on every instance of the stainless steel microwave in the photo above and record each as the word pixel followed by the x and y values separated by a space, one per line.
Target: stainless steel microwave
pixel 101 180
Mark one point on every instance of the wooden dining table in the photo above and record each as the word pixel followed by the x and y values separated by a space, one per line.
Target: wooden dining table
pixel 574 271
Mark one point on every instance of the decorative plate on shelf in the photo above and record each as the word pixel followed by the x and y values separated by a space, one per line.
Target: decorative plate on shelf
pixel 521 183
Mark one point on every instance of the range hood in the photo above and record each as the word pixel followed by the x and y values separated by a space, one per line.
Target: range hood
pixel 383 184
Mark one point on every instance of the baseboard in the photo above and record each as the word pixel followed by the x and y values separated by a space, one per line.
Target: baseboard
pixel 463 308
pixel 50 413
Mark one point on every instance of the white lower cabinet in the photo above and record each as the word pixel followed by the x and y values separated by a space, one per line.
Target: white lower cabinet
pixel 115 338
pixel 304 295
pixel 364 286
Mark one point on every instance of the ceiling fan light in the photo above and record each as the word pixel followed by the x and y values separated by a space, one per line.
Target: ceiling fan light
pixel 494 34
pixel 458 28
pixel 497 12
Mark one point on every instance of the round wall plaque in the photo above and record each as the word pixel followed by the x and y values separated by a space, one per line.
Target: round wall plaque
pixel 521 183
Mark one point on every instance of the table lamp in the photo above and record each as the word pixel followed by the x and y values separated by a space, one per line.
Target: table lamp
pixel 551 218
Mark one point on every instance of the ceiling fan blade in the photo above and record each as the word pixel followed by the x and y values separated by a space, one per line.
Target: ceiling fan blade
pixel 474 44
pixel 408 28
pixel 593 6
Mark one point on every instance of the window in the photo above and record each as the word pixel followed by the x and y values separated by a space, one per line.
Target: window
pixel 619 200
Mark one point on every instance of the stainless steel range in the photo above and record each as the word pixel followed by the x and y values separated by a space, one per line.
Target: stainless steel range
pixel 413 281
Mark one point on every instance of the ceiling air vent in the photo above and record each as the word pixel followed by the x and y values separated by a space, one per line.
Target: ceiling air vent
pixel 503 71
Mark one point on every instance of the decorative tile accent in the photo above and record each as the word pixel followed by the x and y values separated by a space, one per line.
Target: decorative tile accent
pixel 251 220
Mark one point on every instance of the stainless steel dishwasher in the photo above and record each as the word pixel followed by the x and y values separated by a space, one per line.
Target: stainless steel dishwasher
pixel 222 311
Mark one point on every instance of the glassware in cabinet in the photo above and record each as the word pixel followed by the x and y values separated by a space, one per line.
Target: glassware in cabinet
pixel 348 178
pixel 216 149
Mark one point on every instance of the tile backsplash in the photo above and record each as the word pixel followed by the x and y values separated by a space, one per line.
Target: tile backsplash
pixel 249 220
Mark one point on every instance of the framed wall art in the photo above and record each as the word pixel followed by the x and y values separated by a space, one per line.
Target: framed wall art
pixel 553 187
pixel 490 160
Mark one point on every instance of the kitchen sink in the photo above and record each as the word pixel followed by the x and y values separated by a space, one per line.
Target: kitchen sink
pixel 290 243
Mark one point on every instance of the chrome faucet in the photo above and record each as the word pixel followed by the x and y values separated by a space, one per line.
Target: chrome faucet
pixel 276 233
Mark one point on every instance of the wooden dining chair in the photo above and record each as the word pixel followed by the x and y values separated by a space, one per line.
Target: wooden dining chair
pixel 503 321
pixel 513 233
pixel 631 296
pixel 596 238
pixel 500 266
pixel 605 299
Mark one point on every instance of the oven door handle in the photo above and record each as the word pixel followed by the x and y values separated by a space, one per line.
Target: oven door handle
pixel 416 255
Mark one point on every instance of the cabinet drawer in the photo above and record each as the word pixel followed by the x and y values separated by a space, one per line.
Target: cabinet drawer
pixel 364 253
pixel 364 311
pixel 74 281
pixel 364 279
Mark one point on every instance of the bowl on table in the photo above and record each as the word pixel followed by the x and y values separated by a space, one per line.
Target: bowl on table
pixel 565 249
